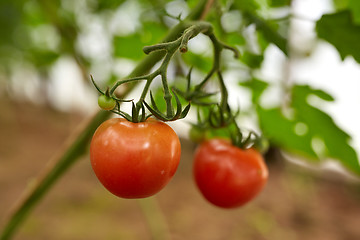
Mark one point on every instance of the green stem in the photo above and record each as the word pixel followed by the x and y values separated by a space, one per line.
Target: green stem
pixel 75 149
pixel 118 83
pixel 216 64
pixel 157 47
pixel 218 47
pixel 224 93
pixel 169 48
pixel 192 31
pixel 167 94
pixel 154 218
pixel 146 87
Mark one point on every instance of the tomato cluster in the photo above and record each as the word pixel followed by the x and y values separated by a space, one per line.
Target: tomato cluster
pixel 136 160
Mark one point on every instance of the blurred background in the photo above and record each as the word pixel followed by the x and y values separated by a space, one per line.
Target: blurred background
pixel 48 49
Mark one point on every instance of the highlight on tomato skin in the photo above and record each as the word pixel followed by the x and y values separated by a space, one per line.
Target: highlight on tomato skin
pixel 134 160
pixel 226 175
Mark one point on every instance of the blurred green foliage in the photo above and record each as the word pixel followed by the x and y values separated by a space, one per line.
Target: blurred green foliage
pixel 149 33
pixel 308 130
pixel 331 26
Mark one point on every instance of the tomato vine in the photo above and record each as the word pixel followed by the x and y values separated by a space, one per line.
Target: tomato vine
pixel 220 115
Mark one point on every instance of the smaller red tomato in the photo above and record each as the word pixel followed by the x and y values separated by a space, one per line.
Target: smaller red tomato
pixel 228 176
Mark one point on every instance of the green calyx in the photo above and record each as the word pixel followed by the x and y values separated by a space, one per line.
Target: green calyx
pixel 216 121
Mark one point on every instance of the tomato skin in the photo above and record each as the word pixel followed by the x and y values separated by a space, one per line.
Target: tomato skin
pixel 134 160
pixel 226 175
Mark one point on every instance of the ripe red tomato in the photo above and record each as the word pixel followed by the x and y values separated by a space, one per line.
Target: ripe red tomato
pixel 134 160
pixel 226 175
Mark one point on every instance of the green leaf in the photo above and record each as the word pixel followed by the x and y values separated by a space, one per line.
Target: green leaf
pixel 308 126
pixel 107 4
pixel 339 30
pixel 341 4
pixel 42 58
pixel 269 31
pixel 10 19
pixel 247 5
pixel 33 14
pixel 131 46
pixel 354 6
pixel 323 127
pixel 199 61
pixel 305 90
pixel 252 60
pixel 281 132
pixel 128 47
pixel 262 41
pixel 257 88
pixel 280 3
pixel 249 8
pixel 235 38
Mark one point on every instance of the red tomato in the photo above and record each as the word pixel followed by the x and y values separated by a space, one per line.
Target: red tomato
pixel 226 175
pixel 134 160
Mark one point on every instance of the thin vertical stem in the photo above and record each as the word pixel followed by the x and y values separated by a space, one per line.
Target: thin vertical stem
pixel 155 218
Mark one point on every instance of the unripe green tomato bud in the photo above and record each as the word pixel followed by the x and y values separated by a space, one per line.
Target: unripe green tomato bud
pixel 106 103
